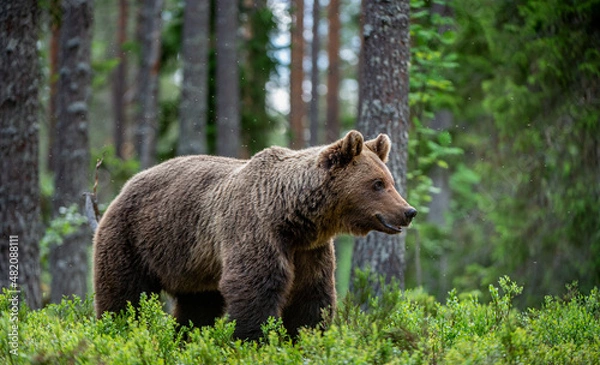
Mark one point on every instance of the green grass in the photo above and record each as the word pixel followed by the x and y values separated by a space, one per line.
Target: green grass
pixel 402 327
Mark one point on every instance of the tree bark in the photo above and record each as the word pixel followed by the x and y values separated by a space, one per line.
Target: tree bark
pixel 120 81
pixel 383 108
pixel 297 107
pixel 69 261
pixel 440 202
pixel 20 224
pixel 333 72
pixel 227 79
pixel 192 111
pixel 149 34
pixel 314 75
pixel 55 10
pixel 257 66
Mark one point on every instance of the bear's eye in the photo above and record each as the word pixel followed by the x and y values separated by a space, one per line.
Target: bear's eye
pixel 378 185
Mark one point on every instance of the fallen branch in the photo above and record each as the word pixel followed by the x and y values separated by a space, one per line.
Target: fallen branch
pixel 91 202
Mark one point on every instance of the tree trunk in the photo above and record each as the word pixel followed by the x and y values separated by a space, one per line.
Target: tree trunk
pixel 333 73
pixel 192 112
pixel 55 10
pixel 20 226
pixel 120 80
pixel 258 65
pixel 440 202
pixel 149 33
pixel 69 261
pixel 297 107
pixel 314 76
pixel 227 79
pixel 383 108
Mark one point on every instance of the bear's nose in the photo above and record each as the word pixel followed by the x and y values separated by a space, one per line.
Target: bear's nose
pixel 411 213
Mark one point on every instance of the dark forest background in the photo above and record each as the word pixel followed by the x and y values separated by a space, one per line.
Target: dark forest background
pixel 503 122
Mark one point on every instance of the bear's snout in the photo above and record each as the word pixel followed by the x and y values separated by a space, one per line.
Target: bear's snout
pixel 393 223
pixel 410 214
pixel 406 218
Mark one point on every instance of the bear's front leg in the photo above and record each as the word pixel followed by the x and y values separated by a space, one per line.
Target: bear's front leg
pixel 255 286
pixel 313 290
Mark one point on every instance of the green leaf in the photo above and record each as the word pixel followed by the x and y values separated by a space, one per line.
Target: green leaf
pixel 442 164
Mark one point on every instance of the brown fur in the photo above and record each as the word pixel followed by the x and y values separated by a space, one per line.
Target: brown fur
pixel 249 238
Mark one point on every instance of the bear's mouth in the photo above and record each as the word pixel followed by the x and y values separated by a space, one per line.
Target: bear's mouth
pixel 387 225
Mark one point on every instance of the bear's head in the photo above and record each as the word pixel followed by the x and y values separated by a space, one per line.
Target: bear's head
pixel 366 197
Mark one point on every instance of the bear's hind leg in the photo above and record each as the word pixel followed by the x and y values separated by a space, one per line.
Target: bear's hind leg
pixel 119 289
pixel 200 308
pixel 119 276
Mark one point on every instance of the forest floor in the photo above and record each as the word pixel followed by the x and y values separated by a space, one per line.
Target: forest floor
pixel 401 327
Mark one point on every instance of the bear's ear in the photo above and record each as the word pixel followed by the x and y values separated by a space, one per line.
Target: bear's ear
pixel 342 152
pixel 381 146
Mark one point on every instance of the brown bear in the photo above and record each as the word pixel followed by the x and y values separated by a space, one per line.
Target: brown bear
pixel 249 238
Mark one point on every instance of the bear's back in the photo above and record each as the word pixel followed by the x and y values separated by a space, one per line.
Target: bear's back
pixel 161 211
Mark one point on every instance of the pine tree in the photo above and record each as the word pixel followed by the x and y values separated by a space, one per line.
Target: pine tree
pixel 119 81
pixel 333 72
pixel 68 261
pixel 20 226
pixel 383 108
pixel 227 80
pixel 148 34
pixel 194 93
pixel 297 107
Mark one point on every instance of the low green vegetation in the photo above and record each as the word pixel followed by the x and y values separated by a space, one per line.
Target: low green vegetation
pixel 401 327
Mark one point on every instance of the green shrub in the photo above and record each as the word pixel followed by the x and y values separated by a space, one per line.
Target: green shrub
pixel 401 327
